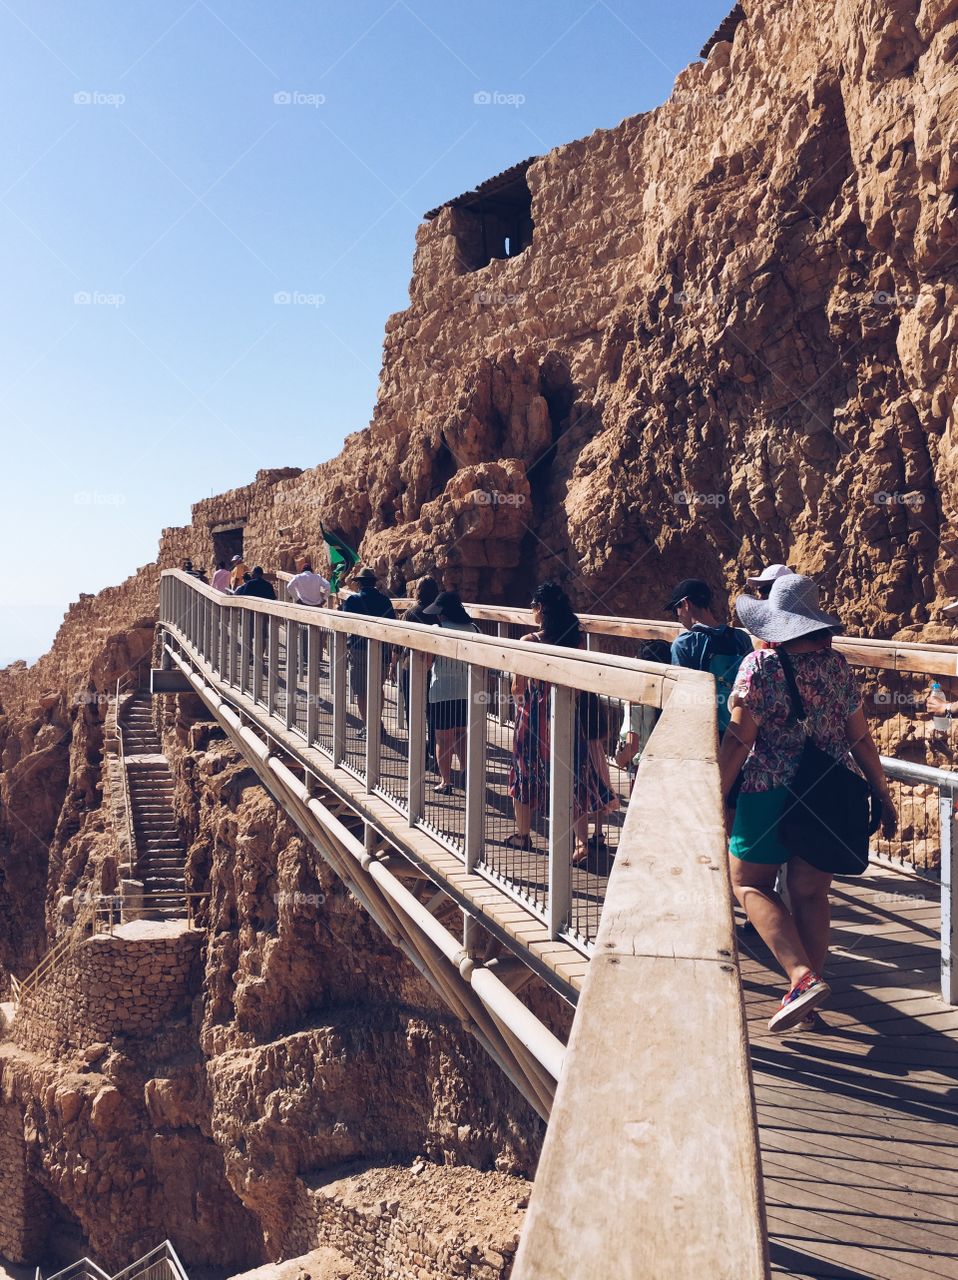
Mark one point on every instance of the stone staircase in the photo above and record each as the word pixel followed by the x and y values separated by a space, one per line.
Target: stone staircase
pixel 160 852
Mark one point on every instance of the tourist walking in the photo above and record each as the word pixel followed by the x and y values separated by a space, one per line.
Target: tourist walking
pixel 592 797
pixel 448 699
pixel 795 691
pixel 310 589
pixel 368 600
pixel 638 720
pixel 257 586
pixel 221 578
pixel 427 589
pixel 238 572
pixel 706 644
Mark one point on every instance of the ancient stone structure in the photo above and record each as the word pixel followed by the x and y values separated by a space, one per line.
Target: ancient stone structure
pixel 730 340
pixel 130 984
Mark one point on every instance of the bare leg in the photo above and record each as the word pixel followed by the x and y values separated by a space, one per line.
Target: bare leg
pixel 444 743
pixel 753 885
pixel 523 818
pixel 460 748
pixel 808 890
pixel 361 703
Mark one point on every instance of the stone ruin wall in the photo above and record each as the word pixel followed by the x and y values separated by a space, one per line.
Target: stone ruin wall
pixel 108 987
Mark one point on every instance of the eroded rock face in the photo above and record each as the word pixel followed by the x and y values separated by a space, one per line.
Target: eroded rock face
pixel 730 341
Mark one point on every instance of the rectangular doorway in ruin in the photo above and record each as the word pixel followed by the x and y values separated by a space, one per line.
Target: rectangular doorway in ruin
pixel 227 540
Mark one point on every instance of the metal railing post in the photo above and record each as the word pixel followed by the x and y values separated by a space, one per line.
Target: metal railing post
pixel 339 695
pixel 244 655
pixel 259 644
pixel 231 652
pixel 272 665
pixel 561 787
pixel 374 712
pixel 312 684
pixel 417 733
pixel 223 649
pixel 475 764
pixel 292 670
pixel 949 907
pixel 504 681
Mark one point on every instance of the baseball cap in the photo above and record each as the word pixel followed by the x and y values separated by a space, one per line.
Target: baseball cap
pixel 694 590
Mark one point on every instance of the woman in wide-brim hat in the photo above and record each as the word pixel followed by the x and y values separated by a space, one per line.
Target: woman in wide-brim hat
pixel 764 744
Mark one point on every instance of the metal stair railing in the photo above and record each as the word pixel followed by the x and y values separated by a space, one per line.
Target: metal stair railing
pixel 57 953
pixel 82 1269
pixel 161 1263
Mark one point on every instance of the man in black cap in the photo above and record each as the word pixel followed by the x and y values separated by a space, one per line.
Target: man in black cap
pixel 373 602
pixel 707 644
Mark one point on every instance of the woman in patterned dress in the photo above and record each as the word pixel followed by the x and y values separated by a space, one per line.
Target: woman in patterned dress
pixel 764 744
pixel 529 774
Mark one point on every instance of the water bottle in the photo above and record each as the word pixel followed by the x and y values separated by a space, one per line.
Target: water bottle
pixel 941 722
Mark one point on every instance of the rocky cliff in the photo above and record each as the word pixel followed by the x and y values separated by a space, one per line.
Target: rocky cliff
pixel 729 340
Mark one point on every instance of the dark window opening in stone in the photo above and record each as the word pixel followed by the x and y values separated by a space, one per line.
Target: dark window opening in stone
pixel 227 541
pixel 494 221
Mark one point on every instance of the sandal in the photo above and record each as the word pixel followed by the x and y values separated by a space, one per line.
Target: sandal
pixel 517 841
pixel 580 855
pixel 443 789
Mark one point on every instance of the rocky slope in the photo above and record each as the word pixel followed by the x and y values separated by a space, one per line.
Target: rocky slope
pixel 731 340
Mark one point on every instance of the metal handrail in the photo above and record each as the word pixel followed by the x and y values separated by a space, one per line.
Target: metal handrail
pixel 125 784
pixel 913 656
pixel 907 771
pixel 161 1263
pixel 69 941
pixel 110 906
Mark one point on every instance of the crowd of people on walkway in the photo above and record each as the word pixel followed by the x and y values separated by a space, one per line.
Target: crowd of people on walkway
pixel 789 718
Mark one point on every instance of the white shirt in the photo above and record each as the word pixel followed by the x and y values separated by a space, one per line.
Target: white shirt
pixel 308 588
pixel 221 580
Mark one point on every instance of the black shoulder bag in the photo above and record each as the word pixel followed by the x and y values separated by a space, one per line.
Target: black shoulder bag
pixel 830 812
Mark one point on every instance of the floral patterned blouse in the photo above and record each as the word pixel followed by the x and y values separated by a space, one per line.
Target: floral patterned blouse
pixel 830 693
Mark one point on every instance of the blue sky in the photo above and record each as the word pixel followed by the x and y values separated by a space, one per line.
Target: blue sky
pixel 168 168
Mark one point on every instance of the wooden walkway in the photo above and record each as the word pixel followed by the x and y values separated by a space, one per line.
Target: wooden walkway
pixel 859 1124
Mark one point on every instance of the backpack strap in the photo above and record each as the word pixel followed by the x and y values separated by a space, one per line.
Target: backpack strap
pixel 798 706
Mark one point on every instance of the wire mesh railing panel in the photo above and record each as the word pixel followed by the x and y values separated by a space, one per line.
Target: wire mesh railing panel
pixel 515 811
pixel 394 752
pixel 444 777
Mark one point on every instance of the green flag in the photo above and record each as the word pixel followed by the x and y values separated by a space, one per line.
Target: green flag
pixel 341 557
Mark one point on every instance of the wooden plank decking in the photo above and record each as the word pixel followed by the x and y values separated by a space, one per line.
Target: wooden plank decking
pixel 859 1124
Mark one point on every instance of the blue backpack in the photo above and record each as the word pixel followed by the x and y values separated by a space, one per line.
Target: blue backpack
pixel 722 657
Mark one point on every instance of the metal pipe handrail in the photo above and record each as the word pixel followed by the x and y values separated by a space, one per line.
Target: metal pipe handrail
pixel 909 771
pixel 125 783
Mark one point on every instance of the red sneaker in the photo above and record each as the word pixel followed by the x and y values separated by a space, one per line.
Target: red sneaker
pixel 799 1002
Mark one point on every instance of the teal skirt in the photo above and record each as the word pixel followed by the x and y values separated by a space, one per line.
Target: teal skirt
pixel 755 833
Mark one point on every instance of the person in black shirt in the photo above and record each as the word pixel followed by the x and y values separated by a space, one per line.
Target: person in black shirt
pixel 257 586
pixel 426 591
pixel 373 602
